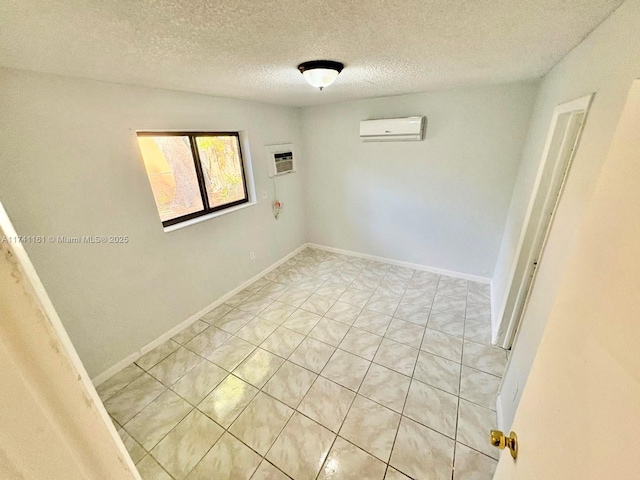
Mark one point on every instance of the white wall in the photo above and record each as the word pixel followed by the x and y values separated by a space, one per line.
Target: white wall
pixel 71 166
pixel 441 202
pixel 580 412
pixel 606 63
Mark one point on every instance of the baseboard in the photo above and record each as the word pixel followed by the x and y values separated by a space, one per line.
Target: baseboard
pixel 415 266
pixel 98 379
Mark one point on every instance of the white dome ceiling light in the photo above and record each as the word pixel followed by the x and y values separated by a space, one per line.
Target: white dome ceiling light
pixel 320 73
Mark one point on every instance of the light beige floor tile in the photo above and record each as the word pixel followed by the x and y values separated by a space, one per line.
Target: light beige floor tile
pixel 418 314
pixel 446 323
pixel 392 289
pixel 366 283
pixel 329 331
pixel 256 331
pixel 346 369
pixel 353 296
pixel 233 321
pixel 371 427
pixel 478 313
pixel 396 356
pixel 200 380
pixel 239 298
pixel 266 471
pixel 301 448
pixel 421 452
pixel 452 290
pixel 125 404
pixel 134 448
pixel 454 306
pixel 231 353
pixel 207 341
pixel 156 420
pixel 443 345
pixel 312 354
pixel 361 343
pixel 310 282
pixel 118 381
pixel 227 400
pixel 302 321
pixel 347 461
pixel 273 290
pixel 261 422
pixel 191 331
pixel 258 367
pixel 186 444
pixel 491 360
pixel 478 331
pixel 331 291
pixel 479 387
pixel 474 424
pixel 290 384
pixel 471 465
pixel 258 285
pixel 217 313
pixel 169 370
pixel 419 295
pixel 372 322
pixel 343 312
pixel 282 342
pixel 438 372
pixel 432 407
pixel 386 387
pixel 277 312
pixel 229 459
pixel 255 304
pixel 317 304
pixel 149 469
pixel 382 304
pixel 405 332
pixel 294 297
pixel 450 282
pixel 155 356
pixel 393 474
pixel 327 403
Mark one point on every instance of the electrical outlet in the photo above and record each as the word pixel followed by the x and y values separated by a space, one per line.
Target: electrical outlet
pixel 514 392
pixel 252 256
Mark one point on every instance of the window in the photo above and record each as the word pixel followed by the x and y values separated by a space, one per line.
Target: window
pixel 193 174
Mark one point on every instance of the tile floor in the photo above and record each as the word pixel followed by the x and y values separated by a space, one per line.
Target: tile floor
pixel 329 367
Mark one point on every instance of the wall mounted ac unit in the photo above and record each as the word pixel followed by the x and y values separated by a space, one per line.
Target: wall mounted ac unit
pixel 392 129
pixel 281 159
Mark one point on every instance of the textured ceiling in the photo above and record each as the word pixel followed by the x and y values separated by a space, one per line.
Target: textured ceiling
pixel 250 48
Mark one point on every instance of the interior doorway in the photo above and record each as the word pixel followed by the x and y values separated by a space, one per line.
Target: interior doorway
pixel 560 147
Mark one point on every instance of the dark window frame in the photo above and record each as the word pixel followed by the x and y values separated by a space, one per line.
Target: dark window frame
pixel 207 209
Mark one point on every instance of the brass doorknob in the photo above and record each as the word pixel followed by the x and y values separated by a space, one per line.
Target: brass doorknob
pixel 498 439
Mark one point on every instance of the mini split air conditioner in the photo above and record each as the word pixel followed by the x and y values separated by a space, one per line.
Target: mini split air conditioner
pixel 392 129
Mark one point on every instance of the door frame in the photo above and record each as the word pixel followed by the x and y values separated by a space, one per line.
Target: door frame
pixel 523 272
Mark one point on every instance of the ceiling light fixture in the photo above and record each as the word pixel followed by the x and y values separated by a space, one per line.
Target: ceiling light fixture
pixel 320 73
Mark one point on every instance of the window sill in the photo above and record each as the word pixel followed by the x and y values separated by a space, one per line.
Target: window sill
pixel 209 216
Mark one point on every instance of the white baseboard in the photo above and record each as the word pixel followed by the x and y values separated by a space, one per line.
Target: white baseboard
pixel 415 266
pixel 98 379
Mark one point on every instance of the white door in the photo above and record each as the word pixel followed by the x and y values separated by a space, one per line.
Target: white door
pixel 562 141
pixel 52 423
pixel 579 416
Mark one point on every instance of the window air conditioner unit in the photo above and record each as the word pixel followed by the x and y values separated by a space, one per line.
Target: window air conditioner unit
pixel 392 129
